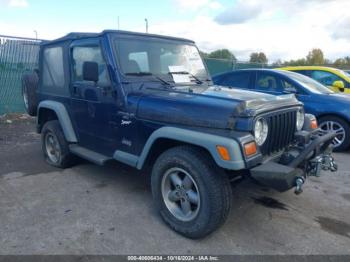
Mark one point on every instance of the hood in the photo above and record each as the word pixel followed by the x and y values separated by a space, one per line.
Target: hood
pixel 214 107
pixel 250 101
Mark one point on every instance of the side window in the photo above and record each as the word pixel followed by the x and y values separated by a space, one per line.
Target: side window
pixel 53 72
pixel 83 54
pixel 267 82
pixel 240 80
pixel 303 72
pixel 288 87
pixel 325 78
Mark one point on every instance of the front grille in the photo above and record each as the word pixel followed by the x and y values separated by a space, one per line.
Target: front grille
pixel 282 127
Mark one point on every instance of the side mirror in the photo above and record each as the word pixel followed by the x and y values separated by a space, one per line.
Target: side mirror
pixel 90 71
pixel 339 84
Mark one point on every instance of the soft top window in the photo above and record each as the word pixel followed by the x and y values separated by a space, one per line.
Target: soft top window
pixel 83 54
pixel 53 72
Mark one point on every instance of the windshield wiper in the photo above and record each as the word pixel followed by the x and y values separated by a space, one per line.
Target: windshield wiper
pixel 162 80
pixel 139 74
pixel 149 74
pixel 198 81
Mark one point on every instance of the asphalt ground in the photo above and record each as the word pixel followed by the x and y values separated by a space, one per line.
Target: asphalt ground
pixel 90 209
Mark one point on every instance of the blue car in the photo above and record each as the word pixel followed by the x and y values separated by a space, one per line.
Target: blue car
pixel 332 110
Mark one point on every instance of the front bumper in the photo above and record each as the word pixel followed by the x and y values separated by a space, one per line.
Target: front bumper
pixel 311 154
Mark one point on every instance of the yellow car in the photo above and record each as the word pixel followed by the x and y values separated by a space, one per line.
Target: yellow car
pixel 336 79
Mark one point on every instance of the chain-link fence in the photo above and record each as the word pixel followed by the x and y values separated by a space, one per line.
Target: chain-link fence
pixel 17 55
pixel 217 66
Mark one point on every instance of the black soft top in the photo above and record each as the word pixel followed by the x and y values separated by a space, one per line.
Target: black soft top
pixel 80 35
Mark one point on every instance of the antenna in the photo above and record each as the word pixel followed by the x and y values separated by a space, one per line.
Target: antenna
pixel 146 20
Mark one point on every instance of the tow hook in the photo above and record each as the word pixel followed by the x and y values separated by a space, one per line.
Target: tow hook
pixel 299 185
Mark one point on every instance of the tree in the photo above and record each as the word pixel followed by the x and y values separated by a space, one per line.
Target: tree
pixel 203 54
pixel 347 59
pixel 222 54
pixel 254 58
pixel 340 62
pixel 315 57
pixel 298 62
pixel 258 58
pixel 277 63
pixel 327 61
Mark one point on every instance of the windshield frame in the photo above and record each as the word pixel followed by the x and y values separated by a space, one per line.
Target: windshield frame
pixel 153 38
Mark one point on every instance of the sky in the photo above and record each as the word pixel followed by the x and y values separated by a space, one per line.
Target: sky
pixel 283 29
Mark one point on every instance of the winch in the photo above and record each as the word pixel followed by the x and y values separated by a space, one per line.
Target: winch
pixel 323 162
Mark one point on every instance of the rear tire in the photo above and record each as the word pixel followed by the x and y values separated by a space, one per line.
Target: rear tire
pixel 334 123
pixel 55 146
pixel 201 200
pixel 29 87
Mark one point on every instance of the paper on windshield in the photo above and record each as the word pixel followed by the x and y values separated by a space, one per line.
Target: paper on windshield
pixel 179 78
pixel 177 69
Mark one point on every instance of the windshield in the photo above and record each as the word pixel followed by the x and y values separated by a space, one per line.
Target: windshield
pixel 159 57
pixel 308 83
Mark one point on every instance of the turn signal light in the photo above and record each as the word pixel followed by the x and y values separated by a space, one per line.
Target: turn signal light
pixel 250 149
pixel 223 152
pixel 313 124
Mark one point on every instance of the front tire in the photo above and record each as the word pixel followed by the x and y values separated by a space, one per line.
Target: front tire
pixel 55 146
pixel 341 127
pixel 191 192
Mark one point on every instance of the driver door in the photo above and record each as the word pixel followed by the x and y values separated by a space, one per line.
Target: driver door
pixel 92 103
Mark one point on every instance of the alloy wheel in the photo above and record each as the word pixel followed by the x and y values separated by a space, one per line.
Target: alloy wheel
pixel 332 126
pixel 180 194
pixel 52 147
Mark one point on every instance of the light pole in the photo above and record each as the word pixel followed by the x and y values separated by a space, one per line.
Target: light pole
pixel 146 20
pixel 36 34
pixel 118 23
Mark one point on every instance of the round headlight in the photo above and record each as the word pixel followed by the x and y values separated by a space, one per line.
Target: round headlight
pixel 300 119
pixel 260 131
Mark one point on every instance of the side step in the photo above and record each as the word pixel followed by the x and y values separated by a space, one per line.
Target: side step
pixel 89 155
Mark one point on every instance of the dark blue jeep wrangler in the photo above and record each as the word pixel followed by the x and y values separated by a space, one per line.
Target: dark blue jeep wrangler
pixel 148 101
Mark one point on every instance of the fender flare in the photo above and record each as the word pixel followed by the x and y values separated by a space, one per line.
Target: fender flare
pixel 205 140
pixel 62 116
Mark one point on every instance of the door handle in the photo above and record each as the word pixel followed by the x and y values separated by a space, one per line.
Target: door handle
pixel 76 90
